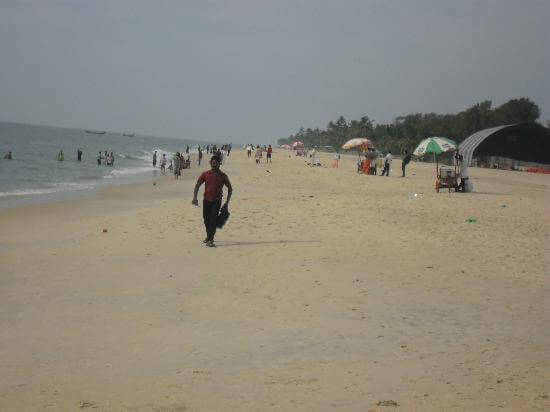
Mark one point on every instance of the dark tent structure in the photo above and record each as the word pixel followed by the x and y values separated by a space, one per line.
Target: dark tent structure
pixel 528 142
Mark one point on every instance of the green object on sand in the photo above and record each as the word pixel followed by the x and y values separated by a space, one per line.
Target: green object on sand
pixel 471 220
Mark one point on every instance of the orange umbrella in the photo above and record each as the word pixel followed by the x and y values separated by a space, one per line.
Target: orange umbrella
pixel 358 143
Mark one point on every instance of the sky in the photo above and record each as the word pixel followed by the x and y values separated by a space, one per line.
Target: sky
pixel 258 70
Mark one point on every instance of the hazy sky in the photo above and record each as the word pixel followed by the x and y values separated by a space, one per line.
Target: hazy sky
pixel 255 70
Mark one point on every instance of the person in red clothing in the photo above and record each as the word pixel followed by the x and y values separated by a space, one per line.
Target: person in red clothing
pixel 214 180
pixel 269 151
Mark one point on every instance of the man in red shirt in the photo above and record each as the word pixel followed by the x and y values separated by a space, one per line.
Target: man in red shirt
pixel 214 180
pixel 269 151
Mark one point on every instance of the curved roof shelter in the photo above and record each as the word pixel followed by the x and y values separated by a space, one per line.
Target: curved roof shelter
pixel 529 142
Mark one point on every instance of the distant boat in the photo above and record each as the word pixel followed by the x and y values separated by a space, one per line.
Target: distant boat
pixel 95 131
pixel 128 134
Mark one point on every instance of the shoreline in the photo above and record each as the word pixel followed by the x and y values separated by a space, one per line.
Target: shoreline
pixel 68 195
pixel 326 288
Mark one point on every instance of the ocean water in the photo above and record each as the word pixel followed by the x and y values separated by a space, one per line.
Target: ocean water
pixel 35 175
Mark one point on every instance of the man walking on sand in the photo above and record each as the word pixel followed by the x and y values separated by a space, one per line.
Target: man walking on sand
pixel 405 162
pixel 214 180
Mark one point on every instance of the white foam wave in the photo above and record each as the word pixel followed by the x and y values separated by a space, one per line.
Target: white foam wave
pixel 127 171
pixel 58 187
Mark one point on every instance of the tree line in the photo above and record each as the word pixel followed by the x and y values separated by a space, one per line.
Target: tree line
pixel 405 132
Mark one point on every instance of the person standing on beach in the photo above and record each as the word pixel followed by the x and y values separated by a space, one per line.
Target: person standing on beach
pixel 405 162
pixel 99 158
pixel 200 156
pixel 258 155
pixel 214 180
pixel 60 156
pixel 465 184
pixel 155 159
pixel 8 156
pixel 387 164
pixel 177 165
pixel 335 160
pixel 219 154
pixel 187 160
pixel 269 151
pixel 163 164
pixel 79 155
pixel 249 150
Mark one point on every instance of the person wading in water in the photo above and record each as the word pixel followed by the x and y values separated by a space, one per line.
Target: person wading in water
pixel 214 180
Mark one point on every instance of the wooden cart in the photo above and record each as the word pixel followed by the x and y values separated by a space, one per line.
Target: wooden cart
pixel 447 178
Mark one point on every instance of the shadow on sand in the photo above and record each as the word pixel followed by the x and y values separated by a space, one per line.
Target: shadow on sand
pixel 222 243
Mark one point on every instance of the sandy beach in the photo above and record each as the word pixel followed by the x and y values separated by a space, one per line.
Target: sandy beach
pixel 327 290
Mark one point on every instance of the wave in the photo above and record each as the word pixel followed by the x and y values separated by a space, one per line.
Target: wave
pixel 58 187
pixel 127 171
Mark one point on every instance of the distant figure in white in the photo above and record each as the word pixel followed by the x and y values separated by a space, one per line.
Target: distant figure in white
pixel 313 155
pixel 387 164
pixel 465 183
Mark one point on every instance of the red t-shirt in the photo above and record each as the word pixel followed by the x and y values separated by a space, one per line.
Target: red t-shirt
pixel 269 150
pixel 213 184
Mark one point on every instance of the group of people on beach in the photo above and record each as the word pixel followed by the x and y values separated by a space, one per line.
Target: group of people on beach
pixel 182 160
pixel 258 152
pixel 375 161
pixel 106 158
pixel 179 162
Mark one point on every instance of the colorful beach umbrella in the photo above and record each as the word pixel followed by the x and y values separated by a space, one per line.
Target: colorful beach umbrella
pixel 358 143
pixel 285 146
pixel 297 143
pixel 435 145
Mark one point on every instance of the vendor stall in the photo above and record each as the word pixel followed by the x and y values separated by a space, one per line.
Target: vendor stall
pixel 446 176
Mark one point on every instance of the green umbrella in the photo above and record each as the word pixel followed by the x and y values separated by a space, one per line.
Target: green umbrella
pixel 435 145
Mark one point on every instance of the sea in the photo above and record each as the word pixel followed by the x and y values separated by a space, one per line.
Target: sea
pixel 34 174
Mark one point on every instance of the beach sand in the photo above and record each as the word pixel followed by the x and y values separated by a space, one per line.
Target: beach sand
pixel 328 290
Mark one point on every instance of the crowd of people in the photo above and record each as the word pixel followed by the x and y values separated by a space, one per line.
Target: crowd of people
pixel 182 160
pixel 106 158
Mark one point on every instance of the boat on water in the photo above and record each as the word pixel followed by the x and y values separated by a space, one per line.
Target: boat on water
pixel 95 131
pixel 128 134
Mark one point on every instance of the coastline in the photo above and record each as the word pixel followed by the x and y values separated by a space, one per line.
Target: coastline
pixel 327 289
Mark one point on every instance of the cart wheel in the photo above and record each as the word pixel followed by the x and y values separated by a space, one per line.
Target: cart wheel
pixel 437 186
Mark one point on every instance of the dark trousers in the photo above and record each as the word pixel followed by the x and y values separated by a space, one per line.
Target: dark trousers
pixel 403 166
pixel 210 211
pixel 386 170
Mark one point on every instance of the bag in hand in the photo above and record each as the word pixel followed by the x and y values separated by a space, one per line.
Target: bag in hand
pixel 223 216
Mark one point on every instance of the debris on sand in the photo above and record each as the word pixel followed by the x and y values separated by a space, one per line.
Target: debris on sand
pixel 387 403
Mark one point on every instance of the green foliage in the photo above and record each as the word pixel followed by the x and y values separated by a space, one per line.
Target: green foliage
pixel 405 132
